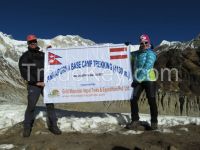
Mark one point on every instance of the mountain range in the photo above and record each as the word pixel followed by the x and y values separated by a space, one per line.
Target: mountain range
pixel 176 96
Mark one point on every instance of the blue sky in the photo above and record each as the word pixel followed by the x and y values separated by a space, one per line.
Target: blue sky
pixel 102 21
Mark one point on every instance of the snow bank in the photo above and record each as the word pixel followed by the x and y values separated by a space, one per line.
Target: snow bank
pixel 6 146
pixel 71 121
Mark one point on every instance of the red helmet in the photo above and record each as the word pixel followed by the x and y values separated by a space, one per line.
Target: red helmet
pixel 31 37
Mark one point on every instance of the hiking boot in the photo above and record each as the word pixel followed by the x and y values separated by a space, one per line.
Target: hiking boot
pixel 55 130
pixel 154 125
pixel 135 125
pixel 27 132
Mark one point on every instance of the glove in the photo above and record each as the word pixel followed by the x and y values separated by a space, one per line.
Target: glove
pixel 134 83
pixel 49 46
pixel 127 43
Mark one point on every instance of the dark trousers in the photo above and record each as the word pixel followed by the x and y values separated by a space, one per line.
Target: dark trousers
pixel 33 96
pixel 150 89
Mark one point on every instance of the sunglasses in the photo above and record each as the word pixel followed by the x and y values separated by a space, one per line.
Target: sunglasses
pixel 144 43
pixel 32 42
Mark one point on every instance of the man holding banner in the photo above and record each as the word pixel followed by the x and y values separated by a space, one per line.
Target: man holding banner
pixel 31 65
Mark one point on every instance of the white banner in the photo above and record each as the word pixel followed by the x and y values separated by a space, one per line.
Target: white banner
pixel 86 74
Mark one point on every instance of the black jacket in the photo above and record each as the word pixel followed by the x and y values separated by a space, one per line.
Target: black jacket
pixel 32 60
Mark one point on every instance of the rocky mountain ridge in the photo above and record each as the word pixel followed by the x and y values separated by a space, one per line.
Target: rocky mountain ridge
pixel 177 96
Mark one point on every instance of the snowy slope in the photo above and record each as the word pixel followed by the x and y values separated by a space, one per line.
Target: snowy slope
pixel 11 84
pixel 11 49
pixel 71 121
pixel 166 45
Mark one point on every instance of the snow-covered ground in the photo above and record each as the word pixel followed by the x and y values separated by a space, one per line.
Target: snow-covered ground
pixel 6 146
pixel 85 122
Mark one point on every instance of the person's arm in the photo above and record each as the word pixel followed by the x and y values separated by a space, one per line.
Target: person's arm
pixel 22 68
pixel 150 60
pixel 133 58
pixel 149 64
pixel 41 84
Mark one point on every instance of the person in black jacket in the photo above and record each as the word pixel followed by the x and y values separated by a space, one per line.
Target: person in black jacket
pixel 31 65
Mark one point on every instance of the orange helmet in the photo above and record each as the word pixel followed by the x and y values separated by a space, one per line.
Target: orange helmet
pixel 31 37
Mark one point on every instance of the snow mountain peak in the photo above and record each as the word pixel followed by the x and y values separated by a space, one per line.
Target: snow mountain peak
pixel 11 50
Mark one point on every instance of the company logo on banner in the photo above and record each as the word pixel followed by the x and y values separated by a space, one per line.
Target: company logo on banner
pixel 88 74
